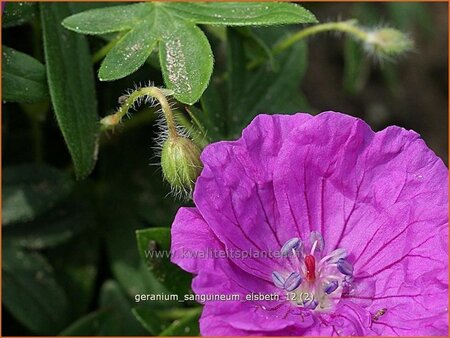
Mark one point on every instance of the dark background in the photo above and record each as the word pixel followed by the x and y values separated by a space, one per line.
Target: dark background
pixel 412 92
pixel 128 194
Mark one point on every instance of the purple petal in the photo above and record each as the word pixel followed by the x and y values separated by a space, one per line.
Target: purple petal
pixel 381 197
pixel 235 194
pixel 193 241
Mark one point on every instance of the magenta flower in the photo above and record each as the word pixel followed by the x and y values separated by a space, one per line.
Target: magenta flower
pixel 342 230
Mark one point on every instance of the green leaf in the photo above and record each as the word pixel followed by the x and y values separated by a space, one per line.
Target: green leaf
pixel 186 326
pixel 214 112
pixel 23 77
pixel 184 52
pixel 108 20
pixel 121 322
pixel 114 317
pixel 154 246
pixel 51 229
pixel 89 325
pixel 129 54
pixel 243 13
pixel 170 322
pixel 31 189
pixel 76 264
pixel 30 291
pixel 256 47
pixel 18 13
pixel 268 90
pixel 149 319
pixel 120 224
pixel 129 270
pixel 72 90
pixel 237 72
pixel 132 197
pixel 186 60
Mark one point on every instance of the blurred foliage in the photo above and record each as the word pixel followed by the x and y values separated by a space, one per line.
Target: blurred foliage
pixel 76 252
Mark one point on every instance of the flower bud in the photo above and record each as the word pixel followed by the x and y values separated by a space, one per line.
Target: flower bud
pixel 109 122
pixel 180 162
pixel 386 42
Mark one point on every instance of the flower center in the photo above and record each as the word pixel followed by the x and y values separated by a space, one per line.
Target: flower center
pixel 317 281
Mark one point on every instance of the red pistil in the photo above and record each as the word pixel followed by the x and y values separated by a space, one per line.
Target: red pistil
pixel 310 263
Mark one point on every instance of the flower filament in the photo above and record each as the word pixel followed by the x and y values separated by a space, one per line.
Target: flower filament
pixel 324 278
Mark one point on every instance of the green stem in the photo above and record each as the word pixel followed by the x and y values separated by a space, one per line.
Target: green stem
pixel 111 121
pixel 349 27
pixel 198 135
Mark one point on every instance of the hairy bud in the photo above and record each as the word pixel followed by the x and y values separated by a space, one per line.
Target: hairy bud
pixel 180 162
pixel 387 42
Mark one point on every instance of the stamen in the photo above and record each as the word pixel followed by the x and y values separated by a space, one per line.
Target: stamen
pixel 334 256
pixel 291 245
pixel 345 267
pixel 326 281
pixel 316 237
pixel 311 305
pixel 331 287
pixel 293 281
pixel 310 263
pixel 278 280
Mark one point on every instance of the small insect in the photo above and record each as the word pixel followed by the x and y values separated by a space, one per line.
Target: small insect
pixel 378 314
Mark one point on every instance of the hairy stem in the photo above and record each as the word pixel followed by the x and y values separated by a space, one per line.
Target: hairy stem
pixel 110 121
pixel 349 27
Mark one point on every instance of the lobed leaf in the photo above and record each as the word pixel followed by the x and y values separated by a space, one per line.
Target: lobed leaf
pixel 108 20
pixel 129 54
pixel 242 13
pixel 184 51
pixel 186 61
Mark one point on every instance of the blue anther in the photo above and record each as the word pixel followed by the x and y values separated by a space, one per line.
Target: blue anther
pixel 345 267
pixel 331 287
pixel 316 236
pixel 278 280
pixel 292 244
pixel 336 255
pixel 311 305
pixel 293 281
